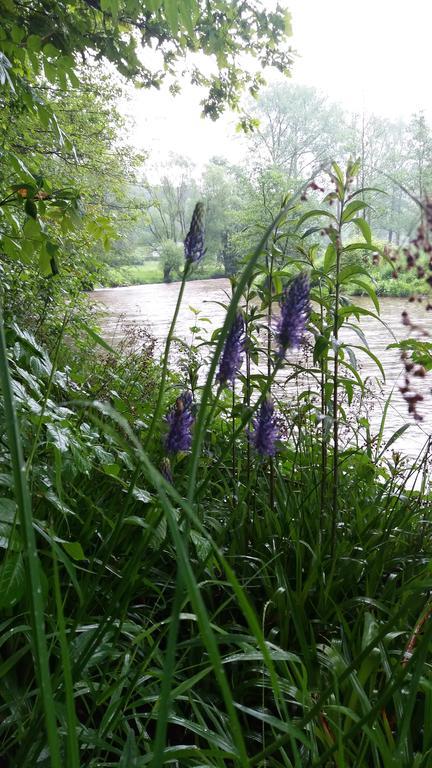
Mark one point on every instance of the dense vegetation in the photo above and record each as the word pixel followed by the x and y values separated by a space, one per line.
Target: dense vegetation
pixel 295 131
pixel 196 569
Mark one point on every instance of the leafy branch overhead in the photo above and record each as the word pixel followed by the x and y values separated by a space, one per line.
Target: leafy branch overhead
pixel 49 38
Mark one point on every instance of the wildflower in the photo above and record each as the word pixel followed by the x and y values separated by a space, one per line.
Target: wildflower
pixel 265 433
pixel 194 242
pixel 180 420
pixel 294 315
pixel 231 359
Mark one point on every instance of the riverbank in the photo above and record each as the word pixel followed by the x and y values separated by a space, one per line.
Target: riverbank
pixel 150 273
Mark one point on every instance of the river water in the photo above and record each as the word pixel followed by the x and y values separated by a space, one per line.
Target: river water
pixel 153 306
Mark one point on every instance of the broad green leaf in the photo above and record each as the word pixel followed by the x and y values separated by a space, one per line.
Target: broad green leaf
pixel 30 208
pixel 369 290
pixel 352 208
pixel 350 271
pixel 12 579
pixel 329 258
pixel 321 346
pixel 74 550
pixel 364 228
pixel 313 214
pixel 171 12
pixel 7 511
pixel 45 263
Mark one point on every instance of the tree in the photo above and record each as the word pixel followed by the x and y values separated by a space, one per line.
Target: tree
pixel 43 223
pixel 42 46
pixel 46 37
pixel 297 129
pixel 222 195
pixel 171 256
pixel 170 201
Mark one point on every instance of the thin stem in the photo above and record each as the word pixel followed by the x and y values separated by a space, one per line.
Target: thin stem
pixel 323 427
pixel 335 499
pixel 157 411
pixel 269 361
pixel 234 456
pixel 248 386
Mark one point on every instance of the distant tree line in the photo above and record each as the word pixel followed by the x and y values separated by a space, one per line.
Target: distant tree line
pixel 296 131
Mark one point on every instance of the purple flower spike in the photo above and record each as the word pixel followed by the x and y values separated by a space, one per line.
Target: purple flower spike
pixel 265 432
pixel 194 243
pixel 180 420
pixel 295 310
pixel 231 359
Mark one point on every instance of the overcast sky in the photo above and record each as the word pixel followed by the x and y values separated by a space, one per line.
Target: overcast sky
pixel 372 55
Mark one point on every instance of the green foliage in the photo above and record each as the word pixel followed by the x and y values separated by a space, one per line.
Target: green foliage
pixel 226 610
pixel 47 38
pixel 294 647
pixel 171 255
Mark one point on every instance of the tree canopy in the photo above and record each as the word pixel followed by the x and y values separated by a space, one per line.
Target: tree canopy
pixel 49 37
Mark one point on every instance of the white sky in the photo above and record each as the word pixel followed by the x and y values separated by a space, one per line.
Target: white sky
pixel 372 55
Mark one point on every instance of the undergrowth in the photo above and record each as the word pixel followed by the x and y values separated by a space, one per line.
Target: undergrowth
pixel 239 602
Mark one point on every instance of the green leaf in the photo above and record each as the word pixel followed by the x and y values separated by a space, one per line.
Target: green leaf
pixel 32 229
pixel 395 436
pixel 50 50
pixel 321 346
pixel 30 208
pixel 7 511
pixel 141 495
pixel 113 470
pixel 352 208
pixel 171 13
pixel 130 750
pixel 329 258
pixel 110 6
pixel 364 228
pixel 373 357
pixel 98 339
pixel 58 437
pixel 33 43
pixel 347 273
pixel 360 247
pixel 12 580
pixel 45 263
pixel 313 214
pixel 189 13
pixel 50 72
pixel 74 550
pixel 369 290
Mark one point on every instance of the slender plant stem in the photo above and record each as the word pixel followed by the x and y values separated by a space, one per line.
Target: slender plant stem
pixel 335 495
pixel 248 385
pixel 234 457
pixel 157 410
pixel 269 359
pixel 324 456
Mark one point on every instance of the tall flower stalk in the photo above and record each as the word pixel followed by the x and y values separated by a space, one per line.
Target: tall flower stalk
pixel 194 251
pixel 232 355
pixel 265 433
pixel 180 421
pixel 295 311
